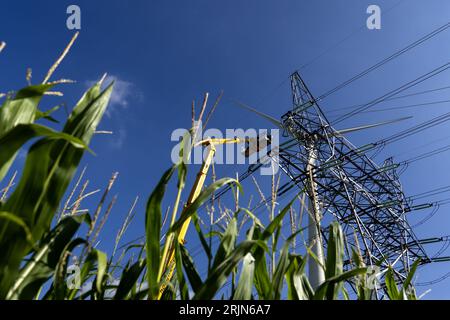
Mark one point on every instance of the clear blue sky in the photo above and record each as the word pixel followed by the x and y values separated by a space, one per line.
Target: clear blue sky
pixel 166 53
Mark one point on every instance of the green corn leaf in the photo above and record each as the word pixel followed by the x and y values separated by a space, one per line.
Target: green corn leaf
pixel 291 292
pixel 44 261
pixel 253 217
pixel 102 265
pixel 8 216
pixel 184 291
pixel 59 290
pixel 262 280
pixel 170 292
pixel 391 287
pixel 302 286
pixel 95 265
pixel 245 284
pixel 184 155
pixel 345 294
pixel 47 114
pixel 22 109
pixel 410 275
pixel 276 223
pixel 227 243
pixel 335 259
pixel 202 238
pixel 14 139
pixel 282 268
pixel 280 271
pixel 191 271
pixel 202 198
pixel 219 275
pixel 153 233
pixel 362 287
pixel 86 272
pixel 129 279
pixel 49 168
pixel 321 292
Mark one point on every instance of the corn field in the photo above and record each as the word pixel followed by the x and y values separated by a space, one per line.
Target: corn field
pixel 44 233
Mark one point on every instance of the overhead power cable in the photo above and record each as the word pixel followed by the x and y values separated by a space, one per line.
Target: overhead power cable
pixel 336 110
pixel 395 92
pixel 427 154
pixel 415 129
pixel 338 43
pixel 408 106
pixel 318 56
pixel 386 60
pixel 420 93
pixel 422 146
pixel 429 193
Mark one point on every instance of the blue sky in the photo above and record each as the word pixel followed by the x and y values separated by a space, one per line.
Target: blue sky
pixel 163 54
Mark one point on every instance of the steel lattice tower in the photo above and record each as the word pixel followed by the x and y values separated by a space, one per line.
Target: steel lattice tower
pixel 340 179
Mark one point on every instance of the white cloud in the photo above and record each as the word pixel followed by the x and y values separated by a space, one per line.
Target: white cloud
pixel 119 137
pixel 123 95
pixel 123 92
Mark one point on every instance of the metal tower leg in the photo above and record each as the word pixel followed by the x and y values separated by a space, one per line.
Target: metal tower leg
pixel 316 271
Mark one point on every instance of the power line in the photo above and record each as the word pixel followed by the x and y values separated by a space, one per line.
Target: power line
pixel 429 193
pixel 428 283
pixel 409 106
pixel 427 154
pixel 419 93
pixel 333 46
pixel 415 129
pixel 317 57
pixel 404 106
pixel 386 60
pixel 422 146
pixel 395 92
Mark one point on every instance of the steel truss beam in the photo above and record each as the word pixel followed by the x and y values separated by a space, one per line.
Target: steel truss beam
pixel 365 198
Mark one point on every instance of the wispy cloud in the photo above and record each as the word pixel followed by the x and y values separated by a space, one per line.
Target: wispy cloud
pixel 119 138
pixel 123 95
pixel 122 91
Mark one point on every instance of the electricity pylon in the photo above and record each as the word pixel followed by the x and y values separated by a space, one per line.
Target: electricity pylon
pixel 341 180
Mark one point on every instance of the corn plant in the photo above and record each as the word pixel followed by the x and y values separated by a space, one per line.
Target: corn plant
pixel 39 240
